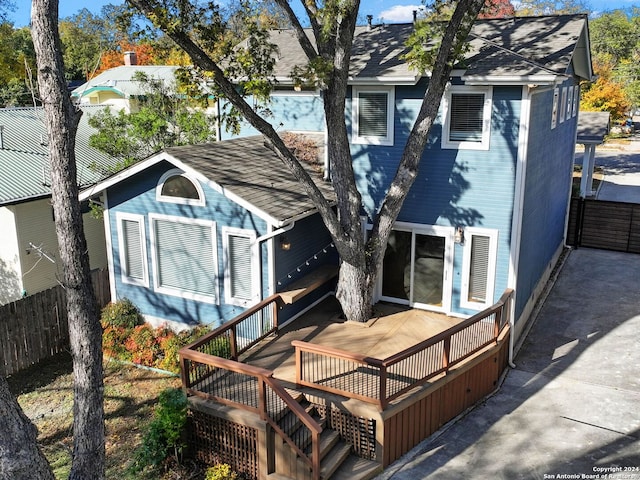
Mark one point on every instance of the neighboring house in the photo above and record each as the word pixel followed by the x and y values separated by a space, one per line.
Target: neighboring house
pixel 487 211
pixel 117 86
pixel 29 254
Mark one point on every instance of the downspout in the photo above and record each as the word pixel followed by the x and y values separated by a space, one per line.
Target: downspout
pixel 275 233
pixel 518 209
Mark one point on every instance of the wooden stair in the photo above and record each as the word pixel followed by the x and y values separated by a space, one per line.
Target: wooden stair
pixel 336 460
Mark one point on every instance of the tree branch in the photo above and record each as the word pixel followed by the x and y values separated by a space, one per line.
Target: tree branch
pixel 202 60
pixel 305 43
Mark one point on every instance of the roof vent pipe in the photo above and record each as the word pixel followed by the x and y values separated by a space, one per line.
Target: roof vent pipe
pixel 369 20
pixel 1 137
pixel 415 16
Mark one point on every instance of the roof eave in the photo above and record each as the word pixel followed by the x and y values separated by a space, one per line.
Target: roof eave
pixel 513 79
pixel 385 80
pixel 163 156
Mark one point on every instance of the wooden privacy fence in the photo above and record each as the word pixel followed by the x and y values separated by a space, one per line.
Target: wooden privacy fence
pixel 606 225
pixel 379 381
pixel 35 327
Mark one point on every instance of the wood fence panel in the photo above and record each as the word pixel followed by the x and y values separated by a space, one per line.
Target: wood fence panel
pixel 35 327
pixel 603 224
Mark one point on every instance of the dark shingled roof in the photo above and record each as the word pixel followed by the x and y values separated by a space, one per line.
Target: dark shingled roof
pixel 507 46
pixel 250 170
pixel 592 127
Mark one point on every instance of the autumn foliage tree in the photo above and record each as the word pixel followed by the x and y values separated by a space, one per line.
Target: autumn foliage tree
pixel 605 94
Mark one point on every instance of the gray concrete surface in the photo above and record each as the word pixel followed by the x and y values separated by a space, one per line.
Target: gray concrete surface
pixel 572 404
pixel 621 163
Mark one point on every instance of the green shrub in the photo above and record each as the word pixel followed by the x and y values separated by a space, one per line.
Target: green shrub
pixel 164 436
pixel 221 471
pixel 121 314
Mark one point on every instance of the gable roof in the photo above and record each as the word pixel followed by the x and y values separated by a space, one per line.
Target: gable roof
pixel 519 49
pixel 243 169
pixel 24 160
pixel 119 80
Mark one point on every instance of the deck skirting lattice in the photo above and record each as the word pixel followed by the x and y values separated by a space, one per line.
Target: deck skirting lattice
pixel 215 440
pixel 359 432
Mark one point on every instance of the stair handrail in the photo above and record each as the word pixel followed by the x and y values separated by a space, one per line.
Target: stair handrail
pixel 264 377
pixel 316 429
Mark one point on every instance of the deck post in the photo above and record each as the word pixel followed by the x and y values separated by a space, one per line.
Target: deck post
pixel 446 352
pixel 498 321
pixel 298 356
pixel 382 401
pixel 262 398
pixel 315 454
pixel 184 375
pixel 233 340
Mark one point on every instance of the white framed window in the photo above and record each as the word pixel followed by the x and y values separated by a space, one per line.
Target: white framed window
pixel 467 117
pixel 373 113
pixel 184 258
pixel 554 109
pixel 563 106
pixel 478 267
pixel 569 103
pixel 576 99
pixel 176 187
pixel 241 268
pixel 132 246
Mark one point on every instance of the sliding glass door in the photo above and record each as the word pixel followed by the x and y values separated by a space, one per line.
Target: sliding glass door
pixel 417 267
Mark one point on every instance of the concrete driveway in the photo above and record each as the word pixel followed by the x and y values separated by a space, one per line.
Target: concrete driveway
pixel 571 407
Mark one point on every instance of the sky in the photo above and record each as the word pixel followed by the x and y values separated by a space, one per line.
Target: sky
pixel 391 11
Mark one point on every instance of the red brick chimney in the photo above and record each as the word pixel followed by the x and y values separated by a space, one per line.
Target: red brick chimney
pixel 130 58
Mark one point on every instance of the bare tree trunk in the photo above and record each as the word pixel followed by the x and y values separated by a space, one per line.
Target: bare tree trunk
pixel 61 120
pixel 20 457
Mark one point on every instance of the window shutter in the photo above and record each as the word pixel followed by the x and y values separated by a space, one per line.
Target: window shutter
pixel 466 117
pixel 133 258
pixel 184 256
pixel 240 267
pixel 372 114
pixel 478 276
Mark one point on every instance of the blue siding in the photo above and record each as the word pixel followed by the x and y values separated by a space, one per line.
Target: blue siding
pixel 137 195
pixel 294 111
pixel 453 187
pixel 311 247
pixel 548 185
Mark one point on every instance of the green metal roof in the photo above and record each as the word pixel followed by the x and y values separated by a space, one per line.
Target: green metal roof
pixel 120 80
pixel 24 162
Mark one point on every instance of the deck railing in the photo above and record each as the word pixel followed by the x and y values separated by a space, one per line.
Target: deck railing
pixel 210 370
pixel 380 381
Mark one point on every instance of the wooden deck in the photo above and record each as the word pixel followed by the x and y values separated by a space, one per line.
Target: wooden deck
pixel 394 329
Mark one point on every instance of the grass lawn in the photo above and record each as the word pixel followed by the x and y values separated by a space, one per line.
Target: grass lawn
pixel 45 393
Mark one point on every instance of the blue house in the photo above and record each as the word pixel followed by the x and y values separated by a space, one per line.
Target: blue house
pixel 198 233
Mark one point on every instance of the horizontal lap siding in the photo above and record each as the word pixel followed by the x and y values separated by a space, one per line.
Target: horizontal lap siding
pixel 453 187
pixel 292 111
pixel 549 169
pixel 137 195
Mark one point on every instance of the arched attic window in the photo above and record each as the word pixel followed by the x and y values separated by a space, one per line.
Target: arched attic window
pixel 176 187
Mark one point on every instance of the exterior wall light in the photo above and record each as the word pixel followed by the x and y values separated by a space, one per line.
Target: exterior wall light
pixel 458 237
pixel 285 244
